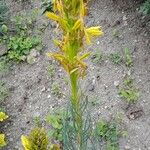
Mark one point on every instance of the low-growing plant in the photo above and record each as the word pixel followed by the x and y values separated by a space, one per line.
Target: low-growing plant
pixel 128 92
pixel 115 58
pixel 55 121
pixel 145 7
pixel 50 70
pixel 109 133
pixel 4 67
pixel 3 92
pixel 97 57
pixel 115 34
pixel 47 5
pixel 3 117
pixel 19 44
pixel 37 140
pixel 4 14
pixel 56 90
pixel 128 58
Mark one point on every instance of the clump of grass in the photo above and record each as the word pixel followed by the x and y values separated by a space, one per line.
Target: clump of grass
pixel 115 58
pixel 128 92
pixel 128 58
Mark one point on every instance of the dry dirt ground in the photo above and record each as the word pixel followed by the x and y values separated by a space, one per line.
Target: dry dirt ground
pixel 30 86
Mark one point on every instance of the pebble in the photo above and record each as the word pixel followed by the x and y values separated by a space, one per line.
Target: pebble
pixel 49 96
pixel 127 147
pixel 124 18
pixel 98 42
pixel 116 83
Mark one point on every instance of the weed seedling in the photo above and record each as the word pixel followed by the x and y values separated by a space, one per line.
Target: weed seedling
pixel 55 122
pixel 128 92
pixel 128 57
pixel 109 133
pixel 3 92
pixel 51 70
pixel 97 57
pixel 115 58
pixel 115 34
pixel 56 90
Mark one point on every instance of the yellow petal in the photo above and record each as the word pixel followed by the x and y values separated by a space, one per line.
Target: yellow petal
pixel 94 31
pixel 3 116
pixel 84 56
pixel 52 16
pixel 87 37
pixel 25 143
pixel 55 147
pixel 2 140
pixel 77 24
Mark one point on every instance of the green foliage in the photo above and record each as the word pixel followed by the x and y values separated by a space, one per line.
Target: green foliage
pixel 20 46
pixel 145 7
pixel 97 57
pixel 20 43
pixel 115 58
pixel 51 70
pixel 3 92
pixel 128 92
pixel 128 57
pixel 47 5
pixel 115 33
pixel 56 90
pixel 4 15
pixel 56 124
pixel 109 133
pixel 3 66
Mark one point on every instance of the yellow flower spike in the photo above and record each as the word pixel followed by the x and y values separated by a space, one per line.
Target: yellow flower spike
pixel 77 25
pixel 3 116
pixel 82 8
pixel 25 143
pixel 52 16
pixel 2 140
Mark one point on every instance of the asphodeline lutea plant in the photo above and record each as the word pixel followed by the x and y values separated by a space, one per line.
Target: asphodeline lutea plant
pixel 3 117
pixel 69 15
pixel 37 140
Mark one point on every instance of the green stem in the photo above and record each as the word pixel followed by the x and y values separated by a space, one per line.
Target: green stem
pixel 76 106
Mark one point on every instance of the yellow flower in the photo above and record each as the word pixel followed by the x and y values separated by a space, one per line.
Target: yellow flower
pixel 25 143
pixel 3 116
pixel 52 16
pixel 2 140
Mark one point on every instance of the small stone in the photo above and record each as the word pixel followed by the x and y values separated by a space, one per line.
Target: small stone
pixel 127 147
pixel 34 53
pixel 43 89
pixel 98 42
pixel 124 18
pixel 49 96
pixel 116 83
